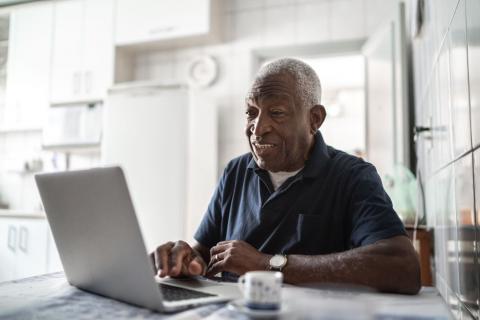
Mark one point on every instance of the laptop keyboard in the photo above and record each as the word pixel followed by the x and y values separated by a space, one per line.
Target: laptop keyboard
pixel 171 293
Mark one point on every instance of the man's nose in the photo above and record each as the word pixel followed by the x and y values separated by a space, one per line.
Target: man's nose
pixel 261 125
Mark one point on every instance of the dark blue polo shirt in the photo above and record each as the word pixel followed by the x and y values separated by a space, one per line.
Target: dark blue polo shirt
pixel 335 203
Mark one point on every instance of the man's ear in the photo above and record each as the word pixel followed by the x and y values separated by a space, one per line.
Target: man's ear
pixel 317 116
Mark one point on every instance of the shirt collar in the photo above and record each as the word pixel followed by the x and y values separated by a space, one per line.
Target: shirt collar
pixel 318 158
pixel 314 165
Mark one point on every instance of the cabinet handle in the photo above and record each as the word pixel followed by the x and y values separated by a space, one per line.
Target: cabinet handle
pixel 12 238
pixel 23 239
pixel 160 30
pixel 76 82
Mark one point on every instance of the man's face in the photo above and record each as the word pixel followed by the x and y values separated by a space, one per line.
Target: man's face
pixel 278 126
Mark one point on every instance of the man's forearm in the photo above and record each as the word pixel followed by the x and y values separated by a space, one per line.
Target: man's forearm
pixel 389 265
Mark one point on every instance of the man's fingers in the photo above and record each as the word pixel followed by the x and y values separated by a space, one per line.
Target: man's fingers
pixel 215 268
pixel 225 242
pixel 196 267
pixel 219 248
pixel 160 258
pixel 175 259
pixel 180 254
pixel 163 262
pixel 215 258
pixel 152 260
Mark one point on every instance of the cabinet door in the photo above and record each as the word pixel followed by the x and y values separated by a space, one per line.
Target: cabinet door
pixel 97 48
pixel 8 244
pixel 148 20
pixel 28 68
pixel 32 247
pixel 67 51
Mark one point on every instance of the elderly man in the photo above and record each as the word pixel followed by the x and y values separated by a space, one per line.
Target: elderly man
pixel 295 204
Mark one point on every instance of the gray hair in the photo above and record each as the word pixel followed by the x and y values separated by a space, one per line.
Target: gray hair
pixel 308 88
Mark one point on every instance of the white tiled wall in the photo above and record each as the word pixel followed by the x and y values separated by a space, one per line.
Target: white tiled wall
pixel 445 56
pixel 249 25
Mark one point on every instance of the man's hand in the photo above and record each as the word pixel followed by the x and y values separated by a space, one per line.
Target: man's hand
pixel 177 259
pixel 237 257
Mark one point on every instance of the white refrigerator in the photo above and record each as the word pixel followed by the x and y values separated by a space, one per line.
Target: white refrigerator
pixel 146 130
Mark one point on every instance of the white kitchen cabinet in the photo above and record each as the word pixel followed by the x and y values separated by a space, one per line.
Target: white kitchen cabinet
pixel 143 21
pixel 8 238
pixel 82 59
pixel 31 247
pixel 28 65
pixel 66 56
pixel 23 247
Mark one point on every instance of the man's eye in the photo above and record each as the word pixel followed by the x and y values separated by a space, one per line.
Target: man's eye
pixel 250 113
pixel 277 113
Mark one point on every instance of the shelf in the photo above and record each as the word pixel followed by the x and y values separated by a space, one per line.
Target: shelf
pixel 65 103
pixel 20 129
pixel 88 148
pixel 10 213
pixel 24 172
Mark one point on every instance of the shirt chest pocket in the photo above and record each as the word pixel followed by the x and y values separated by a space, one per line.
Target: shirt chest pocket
pixel 312 235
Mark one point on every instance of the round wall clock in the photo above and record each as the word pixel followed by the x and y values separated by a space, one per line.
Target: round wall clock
pixel 202 71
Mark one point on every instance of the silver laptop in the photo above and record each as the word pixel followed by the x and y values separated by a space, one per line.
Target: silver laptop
pixel 101 247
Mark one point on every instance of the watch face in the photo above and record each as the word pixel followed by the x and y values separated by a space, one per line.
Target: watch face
pixel 277 261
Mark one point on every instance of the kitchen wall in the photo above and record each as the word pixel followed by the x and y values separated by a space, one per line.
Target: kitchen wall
pixel 246 26
pixel 249 25
pixel 446 56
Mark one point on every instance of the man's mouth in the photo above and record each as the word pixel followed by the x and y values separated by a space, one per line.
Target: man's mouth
pixel 263 146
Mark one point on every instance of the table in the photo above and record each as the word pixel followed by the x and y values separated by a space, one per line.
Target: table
pixel 51 297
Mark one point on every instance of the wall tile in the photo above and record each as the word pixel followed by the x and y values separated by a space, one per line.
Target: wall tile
pixel 280 25
pixel 342 11
pixel 302 2
pixel 473 41
pixel 377 12
pixel 162 66
pixel 447 227
pixel 273 3
pixel 438 129
pixel 440 62
pixel 468 275
pixel 239 5
pixel 433 22
pixel 142 68
pixel 444 116
pixel 476 166
pixel 242 75
pixel 431 46
pixel 313 22
pixel 247 29
pixel 227 27
pixel 446 9
pixel 459 83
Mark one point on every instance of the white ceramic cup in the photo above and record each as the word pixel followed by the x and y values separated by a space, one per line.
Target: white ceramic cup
pixel 262 290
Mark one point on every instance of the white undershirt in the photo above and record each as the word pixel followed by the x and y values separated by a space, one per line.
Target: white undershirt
pixel 278 178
